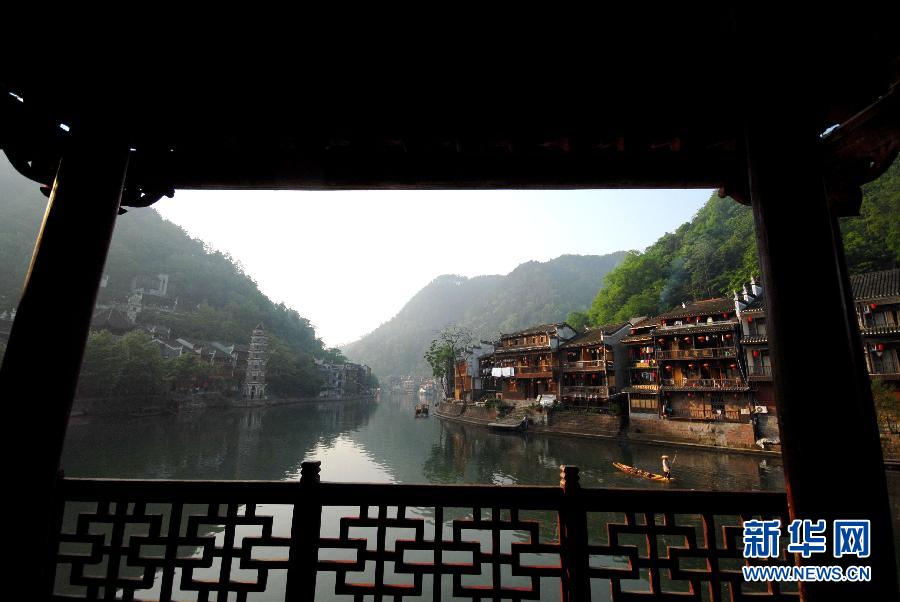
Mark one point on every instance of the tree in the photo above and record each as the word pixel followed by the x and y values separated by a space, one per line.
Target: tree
pixel 577 320
pixel 290 374
pixel 142 368
pixel 453 343
pixel 101 367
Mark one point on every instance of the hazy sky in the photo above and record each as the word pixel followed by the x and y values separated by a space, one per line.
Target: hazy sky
pixel 349 261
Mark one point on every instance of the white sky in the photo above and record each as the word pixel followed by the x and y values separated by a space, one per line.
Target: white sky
pixel 349 261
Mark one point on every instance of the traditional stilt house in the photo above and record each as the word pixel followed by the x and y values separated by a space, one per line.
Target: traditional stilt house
pixel 877 299
pixel 588 365
pixel 751 311
pixel 701 377
pixel 527 360
pixel 641 382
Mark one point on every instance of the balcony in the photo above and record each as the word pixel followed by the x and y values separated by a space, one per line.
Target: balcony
pixel 693 354
pixel 538 371
pixel 645 364
pixel 708 413
pixel 641 387
pixel 760 373
pixel 308 540
pixel 585 366
pixel 601 392
pixel 885 375
pixel 707 384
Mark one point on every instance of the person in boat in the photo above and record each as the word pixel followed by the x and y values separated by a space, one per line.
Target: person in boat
pixel 666 467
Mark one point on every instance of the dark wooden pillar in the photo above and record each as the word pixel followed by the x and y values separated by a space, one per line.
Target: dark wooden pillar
pixel 43 357
pixel 832 456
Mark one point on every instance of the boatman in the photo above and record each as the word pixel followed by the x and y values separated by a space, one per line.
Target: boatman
pixel 667 468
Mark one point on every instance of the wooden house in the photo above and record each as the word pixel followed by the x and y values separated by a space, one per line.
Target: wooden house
pixel 588 366
pixel 528 363
pixel 876 296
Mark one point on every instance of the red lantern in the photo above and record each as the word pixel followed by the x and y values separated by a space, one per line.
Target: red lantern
pixel 687 339
pixel 724 314
pixel 749 318
pixel 873 306
pixel 706 365
pixel 691 366
pixel 663 322
pixel 669 368
pixel 879 347
pixel 701 338
pixel 755 353
pixel 734 365
pixel 662 340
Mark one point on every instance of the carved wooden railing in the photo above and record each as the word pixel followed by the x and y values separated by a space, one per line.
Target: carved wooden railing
pixel 596 391
pixel 704 352
pixel 175 540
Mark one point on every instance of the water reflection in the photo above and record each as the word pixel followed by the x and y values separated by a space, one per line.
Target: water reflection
pixel 383 442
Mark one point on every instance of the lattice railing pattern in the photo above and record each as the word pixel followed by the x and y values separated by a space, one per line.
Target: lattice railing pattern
pixel 177 540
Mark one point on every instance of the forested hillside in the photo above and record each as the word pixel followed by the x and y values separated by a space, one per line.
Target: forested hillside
pixel 533 293
pixel 715 253
pixel 216 299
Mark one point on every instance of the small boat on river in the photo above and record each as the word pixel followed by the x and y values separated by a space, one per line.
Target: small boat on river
pixel 510 425
pixel 421 410
pixel 638 472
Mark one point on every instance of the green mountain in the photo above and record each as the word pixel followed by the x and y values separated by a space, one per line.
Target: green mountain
pixel 533 293
pixel 715 253
pixel 216 299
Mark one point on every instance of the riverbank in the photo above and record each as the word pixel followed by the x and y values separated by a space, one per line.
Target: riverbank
pixel 584 425
pixel 85 409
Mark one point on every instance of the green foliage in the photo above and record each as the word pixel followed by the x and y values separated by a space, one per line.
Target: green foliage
pixel 578 320
pixel 216 299
pixel 872 240
pixel 452 343
pixel 291 374
pixel 128 367
pixel 715 253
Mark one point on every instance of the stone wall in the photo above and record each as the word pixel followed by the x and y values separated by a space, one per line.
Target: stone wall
pixel 721 434
pixel 577 422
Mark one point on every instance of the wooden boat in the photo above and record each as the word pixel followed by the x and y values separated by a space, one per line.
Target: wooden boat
pixel 510 425
pixel 640 472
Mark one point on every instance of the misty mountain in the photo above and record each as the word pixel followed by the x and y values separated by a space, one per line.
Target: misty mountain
pixel 533 293
pixel 216 299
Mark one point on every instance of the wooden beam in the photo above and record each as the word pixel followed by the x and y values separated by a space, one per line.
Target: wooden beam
pixel 805 276
pixel 40 371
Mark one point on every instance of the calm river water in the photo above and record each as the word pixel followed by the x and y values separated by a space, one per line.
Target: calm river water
pixel 380 442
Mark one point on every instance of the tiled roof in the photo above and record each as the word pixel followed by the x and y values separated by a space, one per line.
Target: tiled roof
pixel 637 338
pixel 542 328
pixel 612 328
pixel 591 337
pixel 876 285
pixel 757 306
pixel 723 326
pixel 508 350
pixel 646 323
pixel 699 308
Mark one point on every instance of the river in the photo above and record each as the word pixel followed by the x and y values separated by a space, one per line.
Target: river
pixel 382 442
